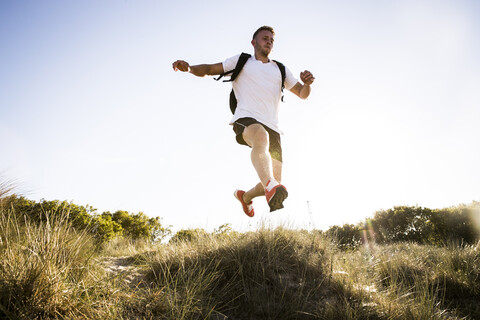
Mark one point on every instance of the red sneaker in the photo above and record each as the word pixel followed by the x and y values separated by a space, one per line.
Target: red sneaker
pixel 276 196
pixel 247 207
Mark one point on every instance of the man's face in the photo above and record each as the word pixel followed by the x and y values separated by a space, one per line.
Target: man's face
pixel 263 42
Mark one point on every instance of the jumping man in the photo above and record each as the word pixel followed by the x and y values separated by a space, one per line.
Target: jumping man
pixel 258 91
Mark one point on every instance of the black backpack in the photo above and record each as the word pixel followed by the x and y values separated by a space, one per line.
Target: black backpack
pixel 235 72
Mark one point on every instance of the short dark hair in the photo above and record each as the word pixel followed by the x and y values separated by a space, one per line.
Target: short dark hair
pixel 263 28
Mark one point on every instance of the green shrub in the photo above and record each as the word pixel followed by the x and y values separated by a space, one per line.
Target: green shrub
pixel 107 229
pixel 81 217
pixel 427 226
pixel 345 237
pixel 103 227
pixel 189 235
pixel 139 226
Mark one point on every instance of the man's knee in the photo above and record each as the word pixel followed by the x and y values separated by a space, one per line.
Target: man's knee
pixel 256 136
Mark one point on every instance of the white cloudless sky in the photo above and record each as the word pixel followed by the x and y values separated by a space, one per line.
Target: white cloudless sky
pixel 92 112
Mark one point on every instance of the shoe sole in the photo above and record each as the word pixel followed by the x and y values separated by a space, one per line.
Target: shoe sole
pixel 276 202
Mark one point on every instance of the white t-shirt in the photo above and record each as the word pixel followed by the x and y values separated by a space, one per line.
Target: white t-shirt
pixel 258 90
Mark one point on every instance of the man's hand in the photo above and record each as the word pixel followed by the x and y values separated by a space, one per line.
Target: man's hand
pixel 181 65
pixel 307 77
pixel 303 91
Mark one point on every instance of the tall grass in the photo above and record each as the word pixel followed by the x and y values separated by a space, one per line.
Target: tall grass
pixel 6 187
pixel 287 274
pixel 268 274
pixel 411 281
pixel 46 270
pixel 50 270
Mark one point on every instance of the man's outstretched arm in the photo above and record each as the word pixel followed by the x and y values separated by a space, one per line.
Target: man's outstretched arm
pixel 303 91
pixel 200 70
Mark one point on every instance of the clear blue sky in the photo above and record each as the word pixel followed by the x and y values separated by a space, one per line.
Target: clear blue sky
pixel 91 111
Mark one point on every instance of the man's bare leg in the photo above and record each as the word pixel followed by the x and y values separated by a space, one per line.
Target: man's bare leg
pixel 257 138
pixel 256 191
pixel 259 190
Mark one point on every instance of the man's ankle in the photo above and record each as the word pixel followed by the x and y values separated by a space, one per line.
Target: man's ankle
pixel 271 184
pixel 246 199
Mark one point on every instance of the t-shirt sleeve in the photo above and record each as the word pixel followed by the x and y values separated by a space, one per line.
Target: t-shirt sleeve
pixel 230 63
pixel 290 79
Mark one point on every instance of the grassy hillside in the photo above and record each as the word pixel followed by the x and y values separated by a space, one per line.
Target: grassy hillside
pixel 286 274
pixel 52 271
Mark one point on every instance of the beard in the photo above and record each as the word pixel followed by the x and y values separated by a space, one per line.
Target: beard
pixel 265 51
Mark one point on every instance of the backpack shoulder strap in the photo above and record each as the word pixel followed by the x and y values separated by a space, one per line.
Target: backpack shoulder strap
pixel 283 73
pixel 238 67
